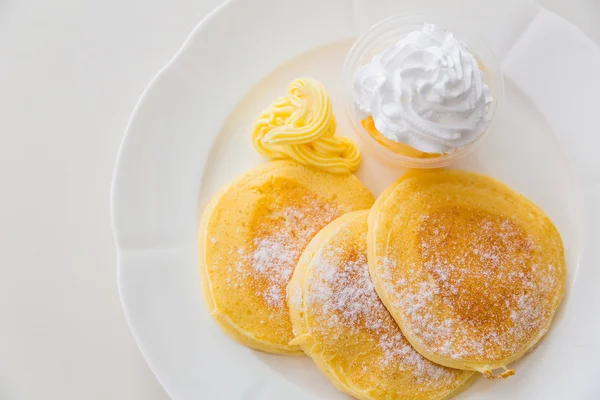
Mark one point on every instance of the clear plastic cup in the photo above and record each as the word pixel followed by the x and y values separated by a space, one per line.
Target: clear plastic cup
pixel 388 32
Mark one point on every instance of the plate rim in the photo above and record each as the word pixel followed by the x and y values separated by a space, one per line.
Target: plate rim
pixel 121 154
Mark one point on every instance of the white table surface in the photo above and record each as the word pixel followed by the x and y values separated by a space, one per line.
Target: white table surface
pixel 70 73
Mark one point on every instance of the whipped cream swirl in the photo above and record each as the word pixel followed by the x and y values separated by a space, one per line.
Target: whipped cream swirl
pixel 427 91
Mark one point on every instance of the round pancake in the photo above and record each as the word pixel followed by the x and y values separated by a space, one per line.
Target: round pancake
pixel 341 323
pixel 251 237
pixel 471 270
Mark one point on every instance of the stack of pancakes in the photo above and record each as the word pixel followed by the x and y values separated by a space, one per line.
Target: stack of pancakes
pixel 447 273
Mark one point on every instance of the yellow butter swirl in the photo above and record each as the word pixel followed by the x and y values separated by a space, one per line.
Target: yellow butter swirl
pixel 301 126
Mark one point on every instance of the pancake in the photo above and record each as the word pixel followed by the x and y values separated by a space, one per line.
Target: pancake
pixel 341 323
pixel 251 237
pixel 471 271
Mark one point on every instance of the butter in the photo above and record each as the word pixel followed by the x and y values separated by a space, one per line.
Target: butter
pixel 301 126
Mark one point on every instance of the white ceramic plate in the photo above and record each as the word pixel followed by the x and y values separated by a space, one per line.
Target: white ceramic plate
pixel 190 134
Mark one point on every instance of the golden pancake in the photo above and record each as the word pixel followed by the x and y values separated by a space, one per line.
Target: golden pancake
pixel 251 237
pixel 471 271
pixel 341 323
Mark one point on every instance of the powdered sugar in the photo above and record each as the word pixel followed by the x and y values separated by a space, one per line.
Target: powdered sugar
pixel 279 243
pixel 294 294
pixel 478 293
pixel 345 302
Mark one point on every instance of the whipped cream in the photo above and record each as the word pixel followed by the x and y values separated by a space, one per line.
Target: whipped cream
pixel 427 91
